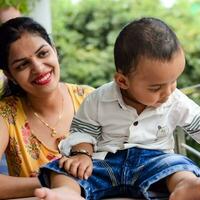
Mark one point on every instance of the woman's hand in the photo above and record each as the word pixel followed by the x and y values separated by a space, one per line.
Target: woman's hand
pixel 79 166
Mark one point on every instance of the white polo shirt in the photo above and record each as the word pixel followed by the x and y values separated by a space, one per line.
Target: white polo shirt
pixel 105 121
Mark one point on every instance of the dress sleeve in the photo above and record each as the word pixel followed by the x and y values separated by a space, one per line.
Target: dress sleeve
pixel 78 94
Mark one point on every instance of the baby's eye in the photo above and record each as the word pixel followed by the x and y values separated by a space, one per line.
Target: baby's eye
pixel 156 89
pixel 174 82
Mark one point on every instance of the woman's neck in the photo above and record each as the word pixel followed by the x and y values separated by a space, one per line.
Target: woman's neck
pixel 51 102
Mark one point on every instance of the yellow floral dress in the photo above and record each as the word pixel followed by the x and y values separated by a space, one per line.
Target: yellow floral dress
pixel 25 152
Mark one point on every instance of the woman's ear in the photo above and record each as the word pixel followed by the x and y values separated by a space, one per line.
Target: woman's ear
pixel 121 80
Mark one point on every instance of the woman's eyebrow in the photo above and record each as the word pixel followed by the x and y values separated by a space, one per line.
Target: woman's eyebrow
pixel 21 59
pixel 40 48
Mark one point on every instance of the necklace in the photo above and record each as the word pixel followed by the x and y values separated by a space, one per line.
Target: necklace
pixel 53 130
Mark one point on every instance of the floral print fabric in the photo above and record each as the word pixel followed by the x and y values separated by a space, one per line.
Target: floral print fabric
pixel 25 153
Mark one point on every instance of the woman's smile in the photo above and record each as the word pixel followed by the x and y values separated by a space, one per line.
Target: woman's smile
pixel 43 79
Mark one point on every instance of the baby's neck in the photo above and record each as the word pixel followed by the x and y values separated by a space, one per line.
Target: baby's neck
pixel 138 106
pixel 133 103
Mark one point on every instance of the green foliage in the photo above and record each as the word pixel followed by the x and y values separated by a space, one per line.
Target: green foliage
pixel 193 92
pixel 85 33
pixel 23 6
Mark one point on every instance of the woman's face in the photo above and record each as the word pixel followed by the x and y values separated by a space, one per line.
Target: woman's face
pixel 33 65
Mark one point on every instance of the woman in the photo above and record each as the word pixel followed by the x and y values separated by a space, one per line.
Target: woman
pixel 36 109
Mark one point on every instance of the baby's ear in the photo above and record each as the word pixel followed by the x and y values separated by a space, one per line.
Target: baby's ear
pixel 121 80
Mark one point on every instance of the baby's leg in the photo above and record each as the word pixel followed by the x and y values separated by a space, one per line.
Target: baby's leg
pixel 60 193
pixel 184 185
pixel 62 187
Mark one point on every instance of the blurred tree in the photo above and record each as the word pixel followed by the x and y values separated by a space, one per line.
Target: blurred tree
pixel 85 33
pixel 23 6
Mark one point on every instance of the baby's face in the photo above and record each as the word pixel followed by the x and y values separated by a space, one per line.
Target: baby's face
pixel 153 81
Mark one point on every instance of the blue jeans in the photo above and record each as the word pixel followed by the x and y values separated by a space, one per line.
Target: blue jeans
pixel 133 172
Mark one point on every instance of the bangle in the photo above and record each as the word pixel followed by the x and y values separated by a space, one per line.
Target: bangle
pixel 80 151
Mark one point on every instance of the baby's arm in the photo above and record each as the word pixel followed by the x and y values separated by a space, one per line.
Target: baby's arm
pixel 191 119
pixel 80 145
pixel 79 163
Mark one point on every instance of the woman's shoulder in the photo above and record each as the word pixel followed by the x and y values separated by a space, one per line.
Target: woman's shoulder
pixel 78 93
pixel 9 105
pixel 79 90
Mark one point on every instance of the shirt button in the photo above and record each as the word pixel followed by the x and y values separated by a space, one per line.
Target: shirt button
pixel 135 123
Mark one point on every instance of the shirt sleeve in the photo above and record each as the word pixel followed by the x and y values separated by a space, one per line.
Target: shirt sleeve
pixel 85 127
pixel 190 117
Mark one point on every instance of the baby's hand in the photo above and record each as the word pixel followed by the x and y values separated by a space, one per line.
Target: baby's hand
pixel 79 166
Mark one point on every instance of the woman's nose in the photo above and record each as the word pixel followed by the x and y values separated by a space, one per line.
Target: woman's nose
pixel 37 65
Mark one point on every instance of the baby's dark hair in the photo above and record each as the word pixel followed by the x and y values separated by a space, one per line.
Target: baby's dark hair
pixel 149 37
pixel 11 31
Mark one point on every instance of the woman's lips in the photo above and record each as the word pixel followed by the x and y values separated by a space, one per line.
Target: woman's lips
pixel 43 79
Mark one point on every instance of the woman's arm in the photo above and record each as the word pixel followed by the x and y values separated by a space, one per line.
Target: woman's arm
pixel 13 187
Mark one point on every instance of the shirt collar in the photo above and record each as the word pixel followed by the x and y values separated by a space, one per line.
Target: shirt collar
pixel 112 93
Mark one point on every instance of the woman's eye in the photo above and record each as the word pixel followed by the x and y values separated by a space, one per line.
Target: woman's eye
pixel 43 54
pixel 22 65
